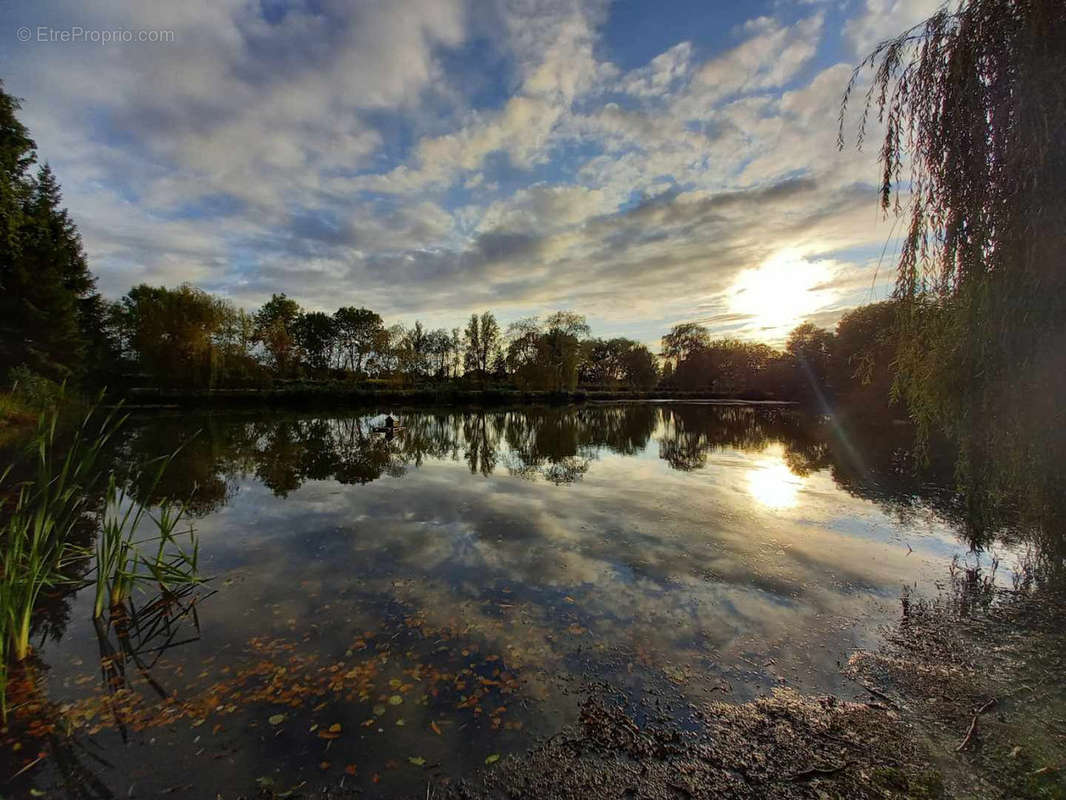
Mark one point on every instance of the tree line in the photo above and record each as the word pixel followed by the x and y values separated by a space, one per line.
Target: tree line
pixel 55 324
pixel 188 337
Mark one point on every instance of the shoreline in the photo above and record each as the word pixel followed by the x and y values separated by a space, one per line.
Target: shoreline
pixel 423 396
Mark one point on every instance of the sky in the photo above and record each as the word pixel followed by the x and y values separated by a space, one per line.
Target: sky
pixel 642 163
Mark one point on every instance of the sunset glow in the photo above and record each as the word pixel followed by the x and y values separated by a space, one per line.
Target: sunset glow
pixel 781 292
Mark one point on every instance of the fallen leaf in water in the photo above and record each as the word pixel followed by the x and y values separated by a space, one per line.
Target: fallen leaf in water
pixel 418 761
pixel 324 765
pixel 335 727
pixel 379 709
pixel 435 728
pixel 276 719
pixel 395 683
pixel 350 769
pixel 395 700
pixel 493 758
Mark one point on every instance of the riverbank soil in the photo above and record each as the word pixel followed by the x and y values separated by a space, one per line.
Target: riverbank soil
pixel 964 699
pixel 980 674
pixel 977 653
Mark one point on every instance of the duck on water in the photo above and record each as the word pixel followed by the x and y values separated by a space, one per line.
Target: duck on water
pixel 389 426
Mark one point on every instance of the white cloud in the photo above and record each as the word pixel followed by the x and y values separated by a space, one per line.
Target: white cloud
pixel 768 59
pixel 879 20
pixel 647 191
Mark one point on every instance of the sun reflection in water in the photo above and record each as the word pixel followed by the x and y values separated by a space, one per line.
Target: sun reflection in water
pixel 772 483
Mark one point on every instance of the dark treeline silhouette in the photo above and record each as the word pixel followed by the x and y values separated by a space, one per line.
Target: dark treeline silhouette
pixel 187 338
pixel 849 367
pixel 52 319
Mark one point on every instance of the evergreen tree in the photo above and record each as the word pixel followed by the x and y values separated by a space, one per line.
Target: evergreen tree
pixel 51 317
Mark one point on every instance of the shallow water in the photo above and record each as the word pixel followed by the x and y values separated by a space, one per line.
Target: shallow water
pixel 385 612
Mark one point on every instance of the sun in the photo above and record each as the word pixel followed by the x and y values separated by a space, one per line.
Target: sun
pixel 781 292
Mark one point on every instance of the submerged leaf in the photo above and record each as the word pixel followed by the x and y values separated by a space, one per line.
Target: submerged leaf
pixel 418 761
pixel 276 719
pixel 493 758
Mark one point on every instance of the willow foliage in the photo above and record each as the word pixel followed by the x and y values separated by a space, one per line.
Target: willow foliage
pixel 972 105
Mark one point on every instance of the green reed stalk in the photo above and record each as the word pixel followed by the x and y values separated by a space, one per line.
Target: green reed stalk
pixel 35 530
pixel 120 562
pixel 35 533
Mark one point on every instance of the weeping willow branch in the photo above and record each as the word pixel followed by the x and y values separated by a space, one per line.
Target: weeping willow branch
pixel 971 109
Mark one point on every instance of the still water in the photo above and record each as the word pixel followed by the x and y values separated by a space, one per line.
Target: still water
pixel 389 611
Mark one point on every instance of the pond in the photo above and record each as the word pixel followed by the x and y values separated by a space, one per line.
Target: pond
pixel 386 611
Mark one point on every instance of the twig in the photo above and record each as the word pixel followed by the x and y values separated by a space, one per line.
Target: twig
pixel 812 772
pixel 32 763
pixel 973 724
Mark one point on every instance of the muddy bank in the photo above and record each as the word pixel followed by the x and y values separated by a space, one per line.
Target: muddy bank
pixel 980 675
pixel 966 699
pixel 783 746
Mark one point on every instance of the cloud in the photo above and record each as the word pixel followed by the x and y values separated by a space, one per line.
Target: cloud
pixel 768 59
pixel 339 153
pixel 879 20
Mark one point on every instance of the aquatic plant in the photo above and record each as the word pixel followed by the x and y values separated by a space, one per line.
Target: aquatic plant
pixel 36 543
pixel 35 531
pixel 121 564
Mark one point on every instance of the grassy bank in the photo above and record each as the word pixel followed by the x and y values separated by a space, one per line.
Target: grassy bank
pixel 17 417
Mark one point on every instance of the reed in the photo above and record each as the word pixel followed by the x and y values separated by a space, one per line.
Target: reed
pixel 122 564
pixel 38 516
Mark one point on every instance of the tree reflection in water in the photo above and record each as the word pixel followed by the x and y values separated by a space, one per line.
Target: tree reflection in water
pixel 556 444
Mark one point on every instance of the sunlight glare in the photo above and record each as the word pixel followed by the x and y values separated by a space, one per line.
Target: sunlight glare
pixel 781 291
pixel 773 484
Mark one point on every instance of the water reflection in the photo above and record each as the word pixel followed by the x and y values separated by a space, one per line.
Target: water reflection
pixel 437 594
pixel 772 483
pixel 559 445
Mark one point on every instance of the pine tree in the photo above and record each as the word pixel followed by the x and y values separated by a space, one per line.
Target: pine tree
pixel 51 317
